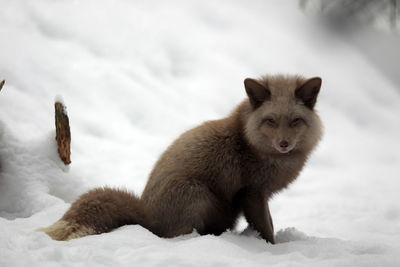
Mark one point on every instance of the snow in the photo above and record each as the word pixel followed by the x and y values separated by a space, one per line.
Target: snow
pixel 59 99
pixel 135 74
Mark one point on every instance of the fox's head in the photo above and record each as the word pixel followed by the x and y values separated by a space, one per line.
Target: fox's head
pixel 282 116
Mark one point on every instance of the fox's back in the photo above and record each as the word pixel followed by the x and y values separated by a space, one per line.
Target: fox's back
pixel 209 154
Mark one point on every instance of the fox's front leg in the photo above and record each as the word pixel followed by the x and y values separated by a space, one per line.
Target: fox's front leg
pixel 256 211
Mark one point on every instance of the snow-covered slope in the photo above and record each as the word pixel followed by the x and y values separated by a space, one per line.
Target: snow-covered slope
pixel 135 74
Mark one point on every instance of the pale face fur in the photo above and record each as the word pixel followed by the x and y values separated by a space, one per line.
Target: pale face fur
pixel 283 123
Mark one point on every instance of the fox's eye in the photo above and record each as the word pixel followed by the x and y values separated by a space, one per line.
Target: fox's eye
pixel 270 121
pixel 295 121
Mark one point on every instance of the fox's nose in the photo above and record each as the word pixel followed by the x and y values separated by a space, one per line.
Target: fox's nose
pixel 284 144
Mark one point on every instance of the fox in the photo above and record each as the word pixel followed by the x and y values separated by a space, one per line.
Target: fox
pixel 215 172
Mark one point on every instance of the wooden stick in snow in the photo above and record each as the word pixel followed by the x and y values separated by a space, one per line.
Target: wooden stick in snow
pixel 1 84
pixel 63 133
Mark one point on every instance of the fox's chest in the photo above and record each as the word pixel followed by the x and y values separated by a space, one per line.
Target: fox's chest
pixel 276 174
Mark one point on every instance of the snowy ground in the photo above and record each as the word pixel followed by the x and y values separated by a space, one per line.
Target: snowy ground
pixel 135 74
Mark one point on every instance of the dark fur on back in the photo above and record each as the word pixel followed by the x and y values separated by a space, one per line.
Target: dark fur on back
pixel 215 171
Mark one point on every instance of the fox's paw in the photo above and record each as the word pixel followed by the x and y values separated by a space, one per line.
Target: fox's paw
pixel 64 230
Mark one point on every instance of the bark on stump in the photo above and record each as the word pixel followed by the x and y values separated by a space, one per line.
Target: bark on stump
pixel 63 133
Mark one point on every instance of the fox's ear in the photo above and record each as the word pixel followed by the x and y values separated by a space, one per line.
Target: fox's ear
pixel 256 92
pixel 308 92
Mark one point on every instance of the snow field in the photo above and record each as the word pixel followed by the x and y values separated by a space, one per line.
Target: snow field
pixel 134 75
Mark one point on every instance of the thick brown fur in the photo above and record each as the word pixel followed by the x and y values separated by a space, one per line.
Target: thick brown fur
pixel 212 173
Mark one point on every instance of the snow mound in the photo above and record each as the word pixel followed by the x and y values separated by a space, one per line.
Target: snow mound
pixel 290 234
pixel 32 176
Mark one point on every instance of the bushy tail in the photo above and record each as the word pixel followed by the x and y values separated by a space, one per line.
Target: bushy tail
pixel 98 211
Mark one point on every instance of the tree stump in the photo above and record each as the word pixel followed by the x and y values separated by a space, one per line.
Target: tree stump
pixel 63 133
